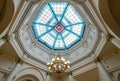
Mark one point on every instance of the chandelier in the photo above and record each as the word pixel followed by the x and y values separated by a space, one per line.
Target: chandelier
pixel 58 64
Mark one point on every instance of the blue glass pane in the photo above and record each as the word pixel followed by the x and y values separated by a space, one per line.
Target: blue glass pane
pixel 58 26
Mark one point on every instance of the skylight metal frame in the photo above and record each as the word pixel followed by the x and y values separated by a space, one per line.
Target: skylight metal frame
pixel 51 27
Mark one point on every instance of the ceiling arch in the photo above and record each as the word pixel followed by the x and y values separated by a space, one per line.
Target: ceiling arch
pixel 109 17
pixel 29 74
pixel 28 78
pixel 114 7
pixel 6 13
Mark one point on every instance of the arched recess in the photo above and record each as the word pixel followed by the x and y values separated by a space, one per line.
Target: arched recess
pixel 28 78
pixel 108 17
pixel 6 13
pixel 30 74
pixel 115 9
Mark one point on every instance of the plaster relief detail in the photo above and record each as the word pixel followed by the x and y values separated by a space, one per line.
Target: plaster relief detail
pixel 27 72
pixel 112 61
pixel 25 37
pixel 38 52
pixel 6 63
pixel 92 35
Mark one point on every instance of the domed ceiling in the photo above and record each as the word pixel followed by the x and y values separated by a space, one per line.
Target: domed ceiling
pixel 60 27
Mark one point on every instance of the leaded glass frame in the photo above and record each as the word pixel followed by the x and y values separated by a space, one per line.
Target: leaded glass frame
pixel 58 26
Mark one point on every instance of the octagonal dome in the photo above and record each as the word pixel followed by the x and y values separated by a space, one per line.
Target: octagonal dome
pixel 58 26
pixel 85 27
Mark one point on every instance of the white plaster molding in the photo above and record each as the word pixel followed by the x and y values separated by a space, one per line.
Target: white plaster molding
pixel 103 40
pixel 95 15
pixel 84 68
pixel 13 72
pixel 4 32
pixel 29 71
pixel 23 9
pixel 103 74
pixel 2 41
pixel 4 70
pixel 83 62
pixel 16 4
pixel 34 62
pixel 116 42
pixel 15 45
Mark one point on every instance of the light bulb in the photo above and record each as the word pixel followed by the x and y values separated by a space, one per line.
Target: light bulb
pixel 54 65
pixel 53 59
pixel 68 62
pixel 65 62
pixel 48 63
pixel 59 66
pixel 62 59
pixel 49 67
pixel 68 66
pixel 58 58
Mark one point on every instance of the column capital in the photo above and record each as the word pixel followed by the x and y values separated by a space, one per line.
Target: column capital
pixel 116 41
pixel 103 73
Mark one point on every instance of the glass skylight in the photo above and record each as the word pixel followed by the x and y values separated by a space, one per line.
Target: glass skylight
pixel 58 26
